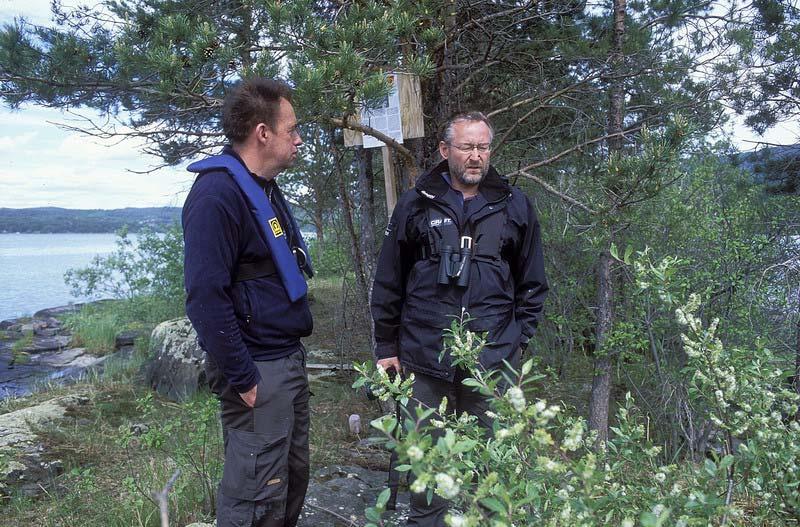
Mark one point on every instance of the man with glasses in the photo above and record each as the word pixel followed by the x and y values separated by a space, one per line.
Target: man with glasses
pixel 462 241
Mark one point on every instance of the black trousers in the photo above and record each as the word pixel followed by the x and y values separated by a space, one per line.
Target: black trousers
pixel 267 460
pixel 428 392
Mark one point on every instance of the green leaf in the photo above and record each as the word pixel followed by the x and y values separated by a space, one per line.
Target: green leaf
pixel 472 383
pixel 710 467
pixel 494 505
pixel 526 368
pixel 372 514
pixel 726 462
pixel 628 252
pixel 383 498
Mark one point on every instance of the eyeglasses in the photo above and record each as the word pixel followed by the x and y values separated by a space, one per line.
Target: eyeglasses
pixel 467 149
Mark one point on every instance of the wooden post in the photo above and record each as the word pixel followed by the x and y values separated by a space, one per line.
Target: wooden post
pixel 389 179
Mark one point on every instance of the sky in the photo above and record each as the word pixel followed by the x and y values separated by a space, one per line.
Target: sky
pixel 42 165
pixel 45 166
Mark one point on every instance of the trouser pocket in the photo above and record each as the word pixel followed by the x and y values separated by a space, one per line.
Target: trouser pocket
pixel 255 466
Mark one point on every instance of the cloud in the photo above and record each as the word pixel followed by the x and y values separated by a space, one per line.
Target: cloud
pixel 12 144
pixel 95 187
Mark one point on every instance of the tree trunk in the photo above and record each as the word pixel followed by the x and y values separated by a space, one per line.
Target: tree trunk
pixel 601 383
pixel 355 244
pixel 797 355
pixel 366 192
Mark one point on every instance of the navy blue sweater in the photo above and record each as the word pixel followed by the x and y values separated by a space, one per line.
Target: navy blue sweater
pixel 236 322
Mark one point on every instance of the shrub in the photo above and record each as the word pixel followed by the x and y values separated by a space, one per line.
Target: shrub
pixel 146 271
pixel 539 466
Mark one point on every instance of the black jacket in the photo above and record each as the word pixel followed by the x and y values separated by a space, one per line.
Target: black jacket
pixel 236 322
pixel 507 284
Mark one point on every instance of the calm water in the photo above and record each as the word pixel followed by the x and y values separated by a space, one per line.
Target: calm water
pixel 32 268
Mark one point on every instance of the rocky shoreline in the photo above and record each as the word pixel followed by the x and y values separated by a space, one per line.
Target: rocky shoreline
pixel 37 350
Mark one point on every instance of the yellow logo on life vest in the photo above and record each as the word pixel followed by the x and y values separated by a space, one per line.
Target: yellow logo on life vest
pixel 276 227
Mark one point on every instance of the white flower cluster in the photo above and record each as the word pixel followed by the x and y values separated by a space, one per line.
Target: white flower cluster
pixel 419 485
pixel 446 486
pixel 415 453
pixel 505 433
pixel 574 437
pixel 517 398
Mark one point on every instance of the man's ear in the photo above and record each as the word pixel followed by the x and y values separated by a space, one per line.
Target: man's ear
pixel 443 149
pixel 263 133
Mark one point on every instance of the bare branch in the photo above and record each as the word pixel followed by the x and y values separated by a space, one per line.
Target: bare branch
pixel 162 497
pixel 353 125
pixel 555 192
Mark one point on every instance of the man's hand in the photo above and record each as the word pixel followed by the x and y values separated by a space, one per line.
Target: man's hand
pixel 249 397
pixel 390 363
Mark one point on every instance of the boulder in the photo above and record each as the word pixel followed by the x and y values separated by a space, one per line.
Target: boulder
pixel 22 465
pixel 176 369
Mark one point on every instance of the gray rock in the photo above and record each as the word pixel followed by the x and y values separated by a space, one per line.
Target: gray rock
pixel 41 344
pixel 340 494
pixel 127 338
pixel 16 428
pixel 68 358
pixel 60 310
pixel 176 367
pixel 24 467
pixel 47 332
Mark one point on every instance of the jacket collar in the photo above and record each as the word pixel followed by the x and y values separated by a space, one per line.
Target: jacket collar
pixel 433 186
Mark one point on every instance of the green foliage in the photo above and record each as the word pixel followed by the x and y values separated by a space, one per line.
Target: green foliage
pixel 95 328
pixel 146 271
pixel 18 353
pixel 330 259
pixel 191 441
pixel 538 465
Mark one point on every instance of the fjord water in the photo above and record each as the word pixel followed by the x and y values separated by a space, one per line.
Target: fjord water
pixel 32 268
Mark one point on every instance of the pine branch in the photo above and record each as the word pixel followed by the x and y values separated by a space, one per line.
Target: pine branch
pixel 555 192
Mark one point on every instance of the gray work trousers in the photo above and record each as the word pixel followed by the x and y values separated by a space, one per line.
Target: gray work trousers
pixel 267 460
pixel 428 391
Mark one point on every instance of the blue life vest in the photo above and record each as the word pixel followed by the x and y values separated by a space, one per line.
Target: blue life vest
pixel 285 261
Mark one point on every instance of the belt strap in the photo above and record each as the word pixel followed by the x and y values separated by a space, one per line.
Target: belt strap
pixel 253 270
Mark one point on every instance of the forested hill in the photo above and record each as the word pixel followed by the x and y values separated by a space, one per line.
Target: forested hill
pixel 777 167
pixel 53 219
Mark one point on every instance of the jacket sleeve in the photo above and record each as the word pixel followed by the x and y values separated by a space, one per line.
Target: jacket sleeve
pixel 211 237
pixel 388 288
pixel 530 283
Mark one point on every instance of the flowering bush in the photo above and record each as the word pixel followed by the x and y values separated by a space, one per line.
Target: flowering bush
pixel 539 465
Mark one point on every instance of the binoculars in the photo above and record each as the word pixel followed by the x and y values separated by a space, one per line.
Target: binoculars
pixel 454 265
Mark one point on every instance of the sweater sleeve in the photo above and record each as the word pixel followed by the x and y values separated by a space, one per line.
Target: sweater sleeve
pixel 211 237
pixel 529 277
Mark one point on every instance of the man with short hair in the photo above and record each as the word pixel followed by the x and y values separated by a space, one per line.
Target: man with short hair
pixel 244 263
pixel 463 240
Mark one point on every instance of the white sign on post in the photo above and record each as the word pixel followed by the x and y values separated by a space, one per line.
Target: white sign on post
pixel 385 118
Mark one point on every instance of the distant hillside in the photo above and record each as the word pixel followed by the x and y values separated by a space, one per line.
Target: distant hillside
pixel 776 167
pixel 52 219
